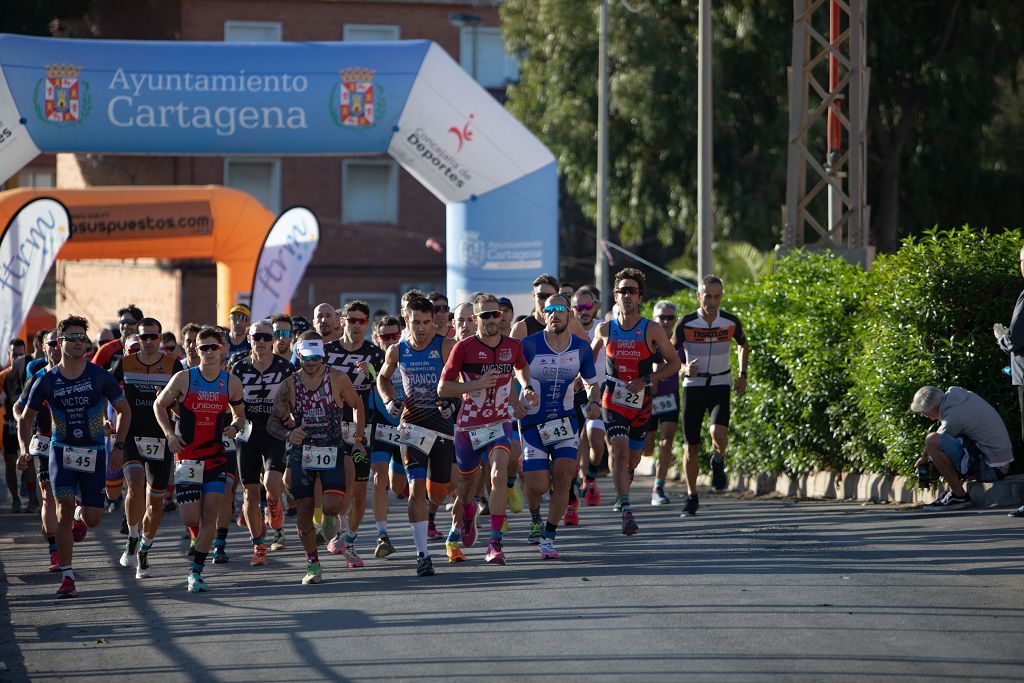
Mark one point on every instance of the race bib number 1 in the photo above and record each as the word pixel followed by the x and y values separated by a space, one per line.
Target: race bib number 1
pixel 627 399
pixel 555 431
pixel 481 436
pixel 150 448
pixel 661 405
pixel 319 457
pixel 79 459
pixel 188 472
pixel 417 437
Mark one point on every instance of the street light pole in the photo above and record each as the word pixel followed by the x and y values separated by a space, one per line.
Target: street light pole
pixel 601 275
pixel 705 216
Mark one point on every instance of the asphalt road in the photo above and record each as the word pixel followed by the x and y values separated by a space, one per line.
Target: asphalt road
pixel 749 590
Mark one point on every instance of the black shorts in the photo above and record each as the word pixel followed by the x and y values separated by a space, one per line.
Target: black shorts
pixel 11 445
pixel 260 453
pixel 667 417
pixel 435 466
pixel 42 463
pixel 360 460
pixel 698 402
pixel 158 472
pixel 633 428
pixel 332 480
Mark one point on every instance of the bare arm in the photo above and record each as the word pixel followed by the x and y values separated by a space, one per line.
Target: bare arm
pixel 165 400
pixel 385 387
pixel 284 401
pixel 25 422
pixel 671 365
pixel 453 388
pixel 124 420
pixel 598 343
pixel 236 405
pixel 744 358
pixel 345 394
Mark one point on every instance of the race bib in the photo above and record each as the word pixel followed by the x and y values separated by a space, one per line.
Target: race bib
pixel 79 459
pixel 348 432
pixel 481 436
pixel 627 399
pixel 319 457
pixel 664 404
pixel 419 438
pixel 39 445
pixel 188 472
pixel 229 444
pixel 246 432
pixel 555 431
pixel 386 434
pixel 151 447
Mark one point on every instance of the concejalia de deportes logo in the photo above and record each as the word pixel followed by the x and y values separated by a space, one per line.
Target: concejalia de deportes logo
pixel 356 101
pixel 60 97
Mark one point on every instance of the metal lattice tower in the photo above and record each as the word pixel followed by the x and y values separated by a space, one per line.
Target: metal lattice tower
pixel 826 189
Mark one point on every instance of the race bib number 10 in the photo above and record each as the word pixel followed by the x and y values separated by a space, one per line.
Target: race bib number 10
pixel 319 457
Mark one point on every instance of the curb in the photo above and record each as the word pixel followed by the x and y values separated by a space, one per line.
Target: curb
pixel 875 488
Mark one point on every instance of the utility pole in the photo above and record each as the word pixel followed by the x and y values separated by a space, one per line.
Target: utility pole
pixel 602 279
pixel 705 215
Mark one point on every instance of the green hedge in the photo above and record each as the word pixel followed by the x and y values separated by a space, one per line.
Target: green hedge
pixel 837 353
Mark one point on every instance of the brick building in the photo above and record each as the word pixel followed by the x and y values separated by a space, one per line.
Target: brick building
pixel 383 214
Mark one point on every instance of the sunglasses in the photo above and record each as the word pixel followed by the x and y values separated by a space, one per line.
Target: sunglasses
pixel 311 359
pixel 282 334
pixel 441 308
pixel 628 290
pixel 209 347
pixel 357 321
pixel 544 295
pixel 52 343
pixel 394 336
pixel 149 337
pixel 555 308
pixel 488 315
pixel 263 337
pixel 666 318
pixel 130 321
pixel 584 307
pixel 75 337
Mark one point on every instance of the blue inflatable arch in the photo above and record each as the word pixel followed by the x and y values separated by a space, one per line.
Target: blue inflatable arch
pixel 408 99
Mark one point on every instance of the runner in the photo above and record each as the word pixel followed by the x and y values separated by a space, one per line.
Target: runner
pixel 508 315
pixel 550 432
pixel 465 326
pixel 587 307
pixel 204 395
pixel 313 399
pixel 282 326
pixel 147 462
pixel 190 344
pixel 238 340
pixel 386 458
pixel 442 314
pixel 261 373
pixel 425 432
pixel 630 342
pixel 360 359
pixel 76 393
pixel 12 380
pixel 480 370
pixel 704 337
pixel 661 430
pixel 39 449
pixel 169 346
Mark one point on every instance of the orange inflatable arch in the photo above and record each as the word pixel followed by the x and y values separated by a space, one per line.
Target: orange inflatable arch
pixel 173 222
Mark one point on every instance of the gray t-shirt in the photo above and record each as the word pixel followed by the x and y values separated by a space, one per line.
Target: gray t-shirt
pixel 964 413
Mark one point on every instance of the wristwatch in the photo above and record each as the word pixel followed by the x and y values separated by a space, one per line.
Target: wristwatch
pixel 360 438
pixel 119 444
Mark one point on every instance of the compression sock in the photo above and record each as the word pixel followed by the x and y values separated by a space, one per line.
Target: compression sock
pixel 222 538
pixel 496 523
pixel 313 556
pixel 454 536
pixel 591 472
pixel 419 537
pixel 147 544
pixel 535 515
pixel 52 540
pixel 198 560
pixel 133 531
pixel 659 484
pixel 549 530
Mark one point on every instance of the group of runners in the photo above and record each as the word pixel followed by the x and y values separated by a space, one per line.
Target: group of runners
pixel 436 404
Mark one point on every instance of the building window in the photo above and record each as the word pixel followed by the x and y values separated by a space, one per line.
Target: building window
pixel 377 301
pixel 491 65
pixel 259 177
pixel 369 191
pixel 37 177
pixel 368 32
pixel 252 31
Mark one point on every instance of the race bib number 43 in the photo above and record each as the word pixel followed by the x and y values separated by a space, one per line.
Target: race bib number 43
pixel 319 457
pixel 79 459
pixel 627 399
pixel 555 431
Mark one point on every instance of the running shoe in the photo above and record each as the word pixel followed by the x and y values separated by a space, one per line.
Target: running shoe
pixel 313 574
pixel 259 555
pixel 1019 512
pixel 504 526
pixel 948 502
pixel 220 555
pixel 719 482
pixel 658 497
pixel 54 561
pixel 16 507
pixel 196 583
pixel 191 547
pixel 384 547
pixel 547 549
pixel 67 588
pixel 124 526
pixel 494 555
pixel 279 540
pixel 275 513
pixel 515 499
pixel 691 505
pixel 469 525
pixel 128 556
pixel 114 505
pixel 78 530
pixel 536 532
pixel 455 553
pixel 572 514
pixel 617 506
pixel 352 558
pixel 432 531
pixel 337 545
pixel 32 505
pixel 240 518
pixel 424 565
pixel 142 571
pixel 629 526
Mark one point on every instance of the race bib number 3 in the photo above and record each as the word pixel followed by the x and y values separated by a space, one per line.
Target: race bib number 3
pixel 319 457
pixel 387 434
pixel 151 448
pixel 188 472
pixel 481 436
pixel 417 437
pixel 555 431
pixel 661 405
pixel 39 445
pixel 627 399
pixel 79 459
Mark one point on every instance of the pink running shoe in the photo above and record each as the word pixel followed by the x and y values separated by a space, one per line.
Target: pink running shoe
pixel 494 553
pixel 54 561
pixel 592 494
pixel 336 546
pixel 572 515
pixel 469 513
pixel 432 531
pixel 67 589
pixel 78 532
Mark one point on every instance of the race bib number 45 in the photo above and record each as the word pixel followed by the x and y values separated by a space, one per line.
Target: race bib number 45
pixel 319 457
pixel 627 399
pixel 79 459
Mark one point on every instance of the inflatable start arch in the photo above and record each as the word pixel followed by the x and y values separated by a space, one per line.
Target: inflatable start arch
pixel 408 99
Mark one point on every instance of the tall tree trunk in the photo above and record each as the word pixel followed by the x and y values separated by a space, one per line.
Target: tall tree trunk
pixel 885 214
